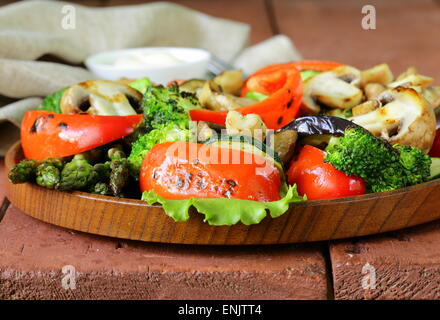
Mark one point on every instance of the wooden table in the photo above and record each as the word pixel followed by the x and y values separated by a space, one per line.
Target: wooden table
pixel 398 265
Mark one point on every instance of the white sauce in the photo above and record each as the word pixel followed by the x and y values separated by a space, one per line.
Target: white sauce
pixel 151 59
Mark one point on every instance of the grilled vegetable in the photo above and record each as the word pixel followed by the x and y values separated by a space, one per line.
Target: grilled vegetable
pixel 45 134
pixel 101 97
pixel 175 171
pixel 167 133
pixel 276 111
pixel 249 125
pixel 178 179
pixel 48 173
pixel 77 174
pixel 23 171
pixel 405 118
pixel 119 176
pixel 382 166
pixel 337 88
pixel 165 105
pixel 249 145
pixel 319 180
pixel 101 188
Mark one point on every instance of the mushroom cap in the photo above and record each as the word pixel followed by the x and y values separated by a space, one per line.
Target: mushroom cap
pixel 101 97
pixel 405 118
pixel 337 88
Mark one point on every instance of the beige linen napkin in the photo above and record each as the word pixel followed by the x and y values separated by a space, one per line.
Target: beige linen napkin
pixel 32 29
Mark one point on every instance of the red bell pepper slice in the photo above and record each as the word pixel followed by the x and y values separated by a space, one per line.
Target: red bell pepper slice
pixel 320 180
pixel 279 109
pixel 301 66
pixel 183 170
pixel 46 134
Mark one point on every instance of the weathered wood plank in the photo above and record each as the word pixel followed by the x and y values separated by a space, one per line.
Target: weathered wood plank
pixel 33 253
pixel 405 265
pixel 331 30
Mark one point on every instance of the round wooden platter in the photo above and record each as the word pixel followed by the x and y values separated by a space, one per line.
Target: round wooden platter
pixel 304 222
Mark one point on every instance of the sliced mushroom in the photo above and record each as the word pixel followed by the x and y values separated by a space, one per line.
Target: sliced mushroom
pixel 432 95
pixel 337 88
pixel 249 125
pixel 373 90
pixel 405 118
pixel 101 97
pixel 212 97
pixel 192 85
pixel 407 72
pixel 378 74
pixel 366 107
pixel 204 131
pixel 230 81
pixel 411 78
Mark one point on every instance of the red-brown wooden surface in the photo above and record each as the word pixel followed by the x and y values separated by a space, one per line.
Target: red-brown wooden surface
pixel 405 263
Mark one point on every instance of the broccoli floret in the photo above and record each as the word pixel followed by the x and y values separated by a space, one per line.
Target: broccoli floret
pixel 382 166
pixel 166 133
pixel 166 119
pixel 416 164
pixel 163 105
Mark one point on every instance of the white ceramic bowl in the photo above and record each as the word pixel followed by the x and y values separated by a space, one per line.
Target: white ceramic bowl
pixel 194 64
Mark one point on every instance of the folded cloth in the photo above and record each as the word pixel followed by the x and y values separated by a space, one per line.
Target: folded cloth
pixel 32 29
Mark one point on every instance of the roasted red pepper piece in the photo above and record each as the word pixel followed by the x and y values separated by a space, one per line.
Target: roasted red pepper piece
pixel 320 180
pixel 182 170
pixel 46 134
pixel 279 109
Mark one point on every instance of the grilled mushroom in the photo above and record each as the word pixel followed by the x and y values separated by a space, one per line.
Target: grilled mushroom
pixel 378 74
pixel 337 88
pixel 230 81
pixel 405 118
pixel 101 97
pixel 248 125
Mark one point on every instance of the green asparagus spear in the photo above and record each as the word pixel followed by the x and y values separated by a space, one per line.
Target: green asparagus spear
pixel 23 171
pixel 56 162
pixel 116 153
pixel 103 171
pixel 48 175
pixel 77 174
pixel 101 188
pixel 118 176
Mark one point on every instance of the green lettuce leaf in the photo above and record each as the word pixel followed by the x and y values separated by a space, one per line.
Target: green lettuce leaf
pixel 52 101
pixel 223 211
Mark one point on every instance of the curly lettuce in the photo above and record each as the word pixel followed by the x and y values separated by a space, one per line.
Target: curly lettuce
pixel 52 102
pixel 245 211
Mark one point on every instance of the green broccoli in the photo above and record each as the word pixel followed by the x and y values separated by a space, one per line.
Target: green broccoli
pixel 382 166
pixel 164 105
pixel 52 101
pixel 166 119
pixel 167 133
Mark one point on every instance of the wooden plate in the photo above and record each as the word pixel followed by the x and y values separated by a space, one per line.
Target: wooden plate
pixel 304 222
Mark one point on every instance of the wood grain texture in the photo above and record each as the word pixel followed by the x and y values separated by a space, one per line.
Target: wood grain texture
pixel 33 253
pixel 406 265
pixel 332 30
pixel 304 222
